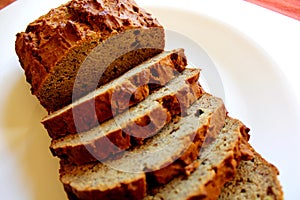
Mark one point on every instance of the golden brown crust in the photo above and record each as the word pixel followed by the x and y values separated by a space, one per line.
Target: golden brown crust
pixel 72 31
pixel 115 99
pixel 70 24
pixel 117 140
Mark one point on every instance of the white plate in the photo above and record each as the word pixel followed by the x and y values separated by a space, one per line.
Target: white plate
pixel 253 84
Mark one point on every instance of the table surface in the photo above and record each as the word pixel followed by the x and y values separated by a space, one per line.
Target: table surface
pixel 4 3
pixel 289 8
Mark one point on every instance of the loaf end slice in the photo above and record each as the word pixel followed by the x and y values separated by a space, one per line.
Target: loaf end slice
pixel 83 44
pixel 117 96
pixel 217 164
pixel 254 179
pixel 132 126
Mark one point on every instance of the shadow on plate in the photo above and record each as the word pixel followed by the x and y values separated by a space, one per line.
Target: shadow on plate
pixel 27 139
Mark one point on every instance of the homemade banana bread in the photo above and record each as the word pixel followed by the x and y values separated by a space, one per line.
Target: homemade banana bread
pixel 117 96
pixel 175 147
pixel 126 118
pixel 83 44
pixel 132 126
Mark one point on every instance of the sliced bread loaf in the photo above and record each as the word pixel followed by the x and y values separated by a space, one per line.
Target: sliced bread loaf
pixel 87 42
pixel 116 96
pixel 174 147
pixel 177 144
pixel 133 125
pixel 254 179
pixel 216 165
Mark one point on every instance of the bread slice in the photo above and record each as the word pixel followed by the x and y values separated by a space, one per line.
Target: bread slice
pixel 117 96
pixel 72 49
pixel 254 179
pixel 174 147
pixel 217 164
pixel 132 126
pixel 98 181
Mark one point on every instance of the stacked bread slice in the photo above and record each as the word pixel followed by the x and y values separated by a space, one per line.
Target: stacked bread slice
pixel 147 129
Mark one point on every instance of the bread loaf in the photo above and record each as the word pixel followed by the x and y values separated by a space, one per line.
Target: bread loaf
pixel 83 44
pixel 132 126
pixel 126 118
pixel 174 147
pixel 117 96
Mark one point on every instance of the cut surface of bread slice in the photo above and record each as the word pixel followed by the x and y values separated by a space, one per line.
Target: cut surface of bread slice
pixel 116 96
pixel 100 38
pixel 255 179
pixel 132 126
pixel 176 145
pixel 216 165
pixel 96 181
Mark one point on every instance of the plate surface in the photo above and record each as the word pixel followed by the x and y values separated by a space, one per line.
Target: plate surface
pixel 234 67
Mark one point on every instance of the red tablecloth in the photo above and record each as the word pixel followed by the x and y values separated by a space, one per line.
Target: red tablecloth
pixel 289 8
pixel 4 3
